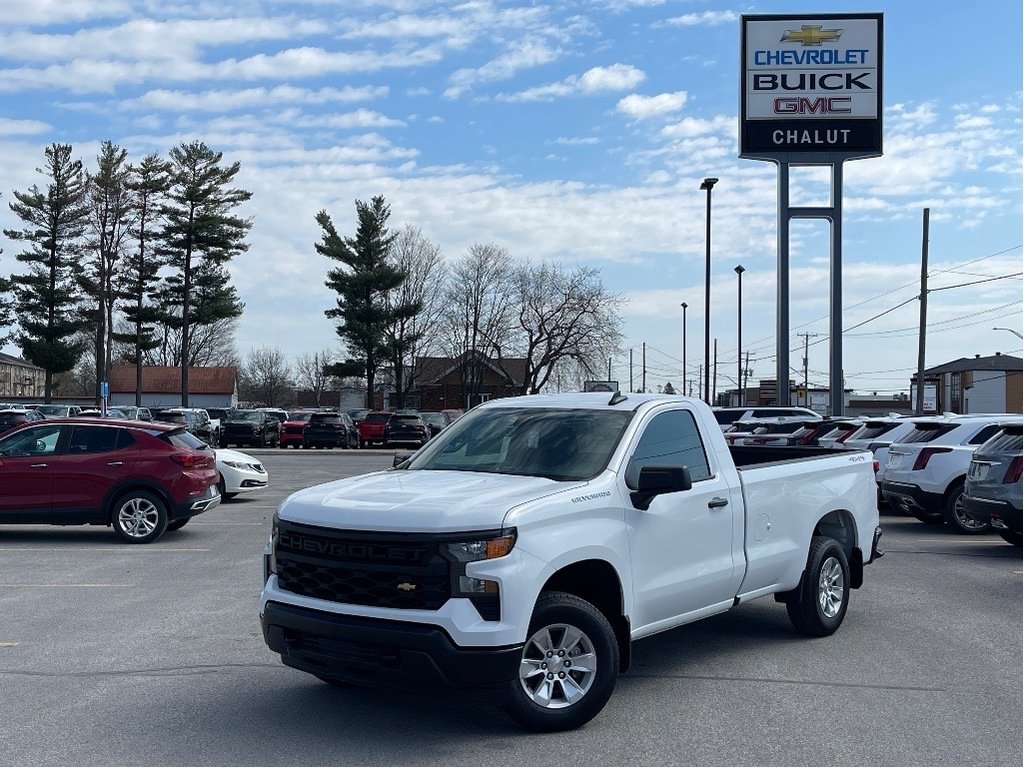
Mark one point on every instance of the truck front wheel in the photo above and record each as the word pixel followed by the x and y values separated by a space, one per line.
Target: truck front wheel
pixel 818 605
pixel 568 667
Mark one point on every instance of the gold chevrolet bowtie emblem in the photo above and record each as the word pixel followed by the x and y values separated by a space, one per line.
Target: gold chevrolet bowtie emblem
pixel 810 35
pixel 405 586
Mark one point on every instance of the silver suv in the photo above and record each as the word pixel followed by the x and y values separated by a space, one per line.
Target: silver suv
pixel 992 493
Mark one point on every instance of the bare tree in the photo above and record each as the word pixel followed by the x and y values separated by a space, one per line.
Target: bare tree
pixel 561 316
pixel 423 288
pixel 212 344
pixel 266 377
pixel 311 372
pixel 477 311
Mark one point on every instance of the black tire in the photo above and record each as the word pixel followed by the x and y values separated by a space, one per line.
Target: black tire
pixel 275 442
pixel 818 604
pixel 177 525
pixel 1010 537
pixel 362 443
pixel 138 517
pixel 957 517
pixel 262 441
pixel 574 630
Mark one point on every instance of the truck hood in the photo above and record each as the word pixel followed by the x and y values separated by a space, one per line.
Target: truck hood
pixel 416 500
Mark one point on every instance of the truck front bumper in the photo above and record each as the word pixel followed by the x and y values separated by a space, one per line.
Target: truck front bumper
pixel 360 649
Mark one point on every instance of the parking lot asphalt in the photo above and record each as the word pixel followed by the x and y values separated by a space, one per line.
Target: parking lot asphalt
pixel 113 654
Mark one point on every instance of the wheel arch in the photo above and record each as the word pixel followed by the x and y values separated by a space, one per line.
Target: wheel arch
pixel 839 524
pixel 134 484
pixel 956 481
pixel 597 582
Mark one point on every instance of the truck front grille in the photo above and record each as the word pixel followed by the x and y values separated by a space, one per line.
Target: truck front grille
pixel 386 570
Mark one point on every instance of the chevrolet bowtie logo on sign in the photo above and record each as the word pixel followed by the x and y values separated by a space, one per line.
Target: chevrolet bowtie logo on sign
pixel 405 586
pixel 810 34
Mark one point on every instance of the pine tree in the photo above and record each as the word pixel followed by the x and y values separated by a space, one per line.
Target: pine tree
pixel 200 230
pixel 48 300
pixel 362 281
pixel 139 278
pixel 110 212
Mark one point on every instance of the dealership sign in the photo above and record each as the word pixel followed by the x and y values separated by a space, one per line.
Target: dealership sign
pixel 811 85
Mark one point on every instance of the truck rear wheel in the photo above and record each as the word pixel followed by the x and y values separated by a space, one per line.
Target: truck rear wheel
pixel 818 605
pixel 568 667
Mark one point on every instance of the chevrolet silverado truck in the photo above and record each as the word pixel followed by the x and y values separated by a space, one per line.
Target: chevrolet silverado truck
pixel 527 546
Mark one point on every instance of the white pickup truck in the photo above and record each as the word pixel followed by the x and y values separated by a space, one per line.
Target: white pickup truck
pixel 529 544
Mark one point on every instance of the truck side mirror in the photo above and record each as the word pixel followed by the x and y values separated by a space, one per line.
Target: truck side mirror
pixel 654 481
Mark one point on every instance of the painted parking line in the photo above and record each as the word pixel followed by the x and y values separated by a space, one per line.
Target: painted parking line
pixel 157 551
pixel 64 586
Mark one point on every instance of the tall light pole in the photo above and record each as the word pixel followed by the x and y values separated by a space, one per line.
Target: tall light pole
pixel 998 328
pixel 684 305
pixel 706 185
pixel 739 270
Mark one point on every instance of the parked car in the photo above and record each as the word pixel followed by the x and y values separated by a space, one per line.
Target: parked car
pixel 330 430
pixel 13 417
pixel 435 421
pixel 239 472
pixel 841 431
pixel 278 413
pixel 357 415
pixel 135 412
pixel 992 491
pixel 726 416
pixel 53 411
pixel 926 472
pixel 251 427
pixel 291 428
pixel 406 429
pixel 778 431
pixel 810 431
pixel 141 479
pixel 453 414
pixel 196 420
pixel 371 428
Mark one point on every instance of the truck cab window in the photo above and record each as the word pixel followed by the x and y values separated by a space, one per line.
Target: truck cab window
pixel 670 440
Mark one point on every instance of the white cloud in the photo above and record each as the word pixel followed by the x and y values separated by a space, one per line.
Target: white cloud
pixel 10 127
pixel 692 127
pixel 705 18
pixel 525 54
pixel 228 100
pixel 617 77
pixel 644 107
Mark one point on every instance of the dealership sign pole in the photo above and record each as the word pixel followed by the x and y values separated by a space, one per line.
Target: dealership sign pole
pixel 811 95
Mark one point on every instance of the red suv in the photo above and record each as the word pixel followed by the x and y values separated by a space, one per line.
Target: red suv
pixel 142 478
pixel 371 428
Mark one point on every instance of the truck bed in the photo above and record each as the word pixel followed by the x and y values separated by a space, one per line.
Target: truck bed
pixel 746 456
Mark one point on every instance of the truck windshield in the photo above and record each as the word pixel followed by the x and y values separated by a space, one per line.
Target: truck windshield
pixel 559 444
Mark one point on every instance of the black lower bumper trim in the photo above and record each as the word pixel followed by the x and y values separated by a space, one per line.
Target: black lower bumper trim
pixel 358 649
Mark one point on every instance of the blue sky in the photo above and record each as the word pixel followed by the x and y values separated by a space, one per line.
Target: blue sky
pixel 572 131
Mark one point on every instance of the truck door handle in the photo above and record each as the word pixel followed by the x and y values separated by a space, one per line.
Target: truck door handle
pixel 36 466
pixel 115 463
pixel 718 501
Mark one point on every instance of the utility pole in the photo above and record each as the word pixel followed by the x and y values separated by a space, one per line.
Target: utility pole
pixel 746 374
pixel 643 371
pixel 919 405
pixel 806 336
pixel 609 369
pixel 700 379
pixel 714 378
pixel 630 369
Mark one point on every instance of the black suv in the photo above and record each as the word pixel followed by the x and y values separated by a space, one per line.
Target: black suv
pixel 330 430
pixel 406 428
pixel 251 427
pixel 195 420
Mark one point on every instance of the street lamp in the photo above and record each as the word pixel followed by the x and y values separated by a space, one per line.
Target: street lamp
pixel 1015 333
pixel 706 185
pixel 684 305
pixel 739 270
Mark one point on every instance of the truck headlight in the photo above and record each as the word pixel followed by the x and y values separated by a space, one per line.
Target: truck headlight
pixel 270 552
pixel 485 594
pixel 483 549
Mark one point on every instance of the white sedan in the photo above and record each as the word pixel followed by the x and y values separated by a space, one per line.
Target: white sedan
pixel 239 472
